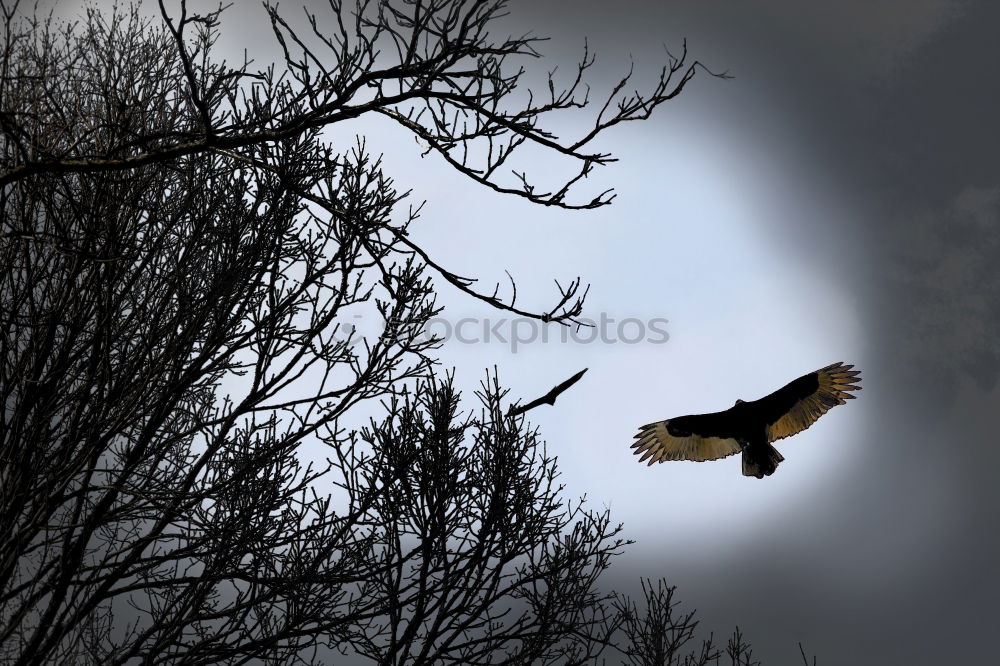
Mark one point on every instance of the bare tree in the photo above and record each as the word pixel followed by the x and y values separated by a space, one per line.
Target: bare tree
pixel 739 651
pixel 484 562
pixel 657 634
pixel 181 253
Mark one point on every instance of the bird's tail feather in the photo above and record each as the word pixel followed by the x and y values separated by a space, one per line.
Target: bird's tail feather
pixel 761 462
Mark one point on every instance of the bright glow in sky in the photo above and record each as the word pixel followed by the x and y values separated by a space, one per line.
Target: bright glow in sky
pixel 696 239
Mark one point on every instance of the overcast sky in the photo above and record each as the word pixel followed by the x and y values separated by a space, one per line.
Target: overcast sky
pixel 837 200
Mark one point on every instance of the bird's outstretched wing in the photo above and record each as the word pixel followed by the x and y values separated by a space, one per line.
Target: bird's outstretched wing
pixel 697 437
pixel 796 406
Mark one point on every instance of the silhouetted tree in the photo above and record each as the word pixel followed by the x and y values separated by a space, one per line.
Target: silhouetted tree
pixel 484 562
pixel 656 634
pixel 182 254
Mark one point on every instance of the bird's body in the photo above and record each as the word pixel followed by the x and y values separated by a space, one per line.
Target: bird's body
pixel 749 427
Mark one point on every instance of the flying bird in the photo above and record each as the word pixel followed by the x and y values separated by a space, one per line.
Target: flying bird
pixel 549 398
pixel 750 427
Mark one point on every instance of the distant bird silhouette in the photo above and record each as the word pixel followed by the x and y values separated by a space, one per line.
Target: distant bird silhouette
pixel 750 427
pixel 549 398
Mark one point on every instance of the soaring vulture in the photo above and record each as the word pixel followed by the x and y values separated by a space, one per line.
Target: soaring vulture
pixel 750 427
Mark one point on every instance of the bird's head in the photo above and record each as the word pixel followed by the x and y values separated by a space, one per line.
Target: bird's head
pixel 738 402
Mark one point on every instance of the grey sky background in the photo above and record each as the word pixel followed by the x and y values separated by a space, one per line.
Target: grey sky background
pixel 839 199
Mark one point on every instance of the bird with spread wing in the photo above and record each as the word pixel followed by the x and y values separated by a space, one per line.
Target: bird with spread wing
pixel 750 427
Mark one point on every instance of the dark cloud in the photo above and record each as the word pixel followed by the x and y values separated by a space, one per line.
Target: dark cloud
pixel 944 269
